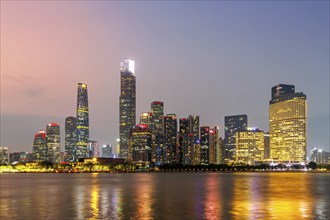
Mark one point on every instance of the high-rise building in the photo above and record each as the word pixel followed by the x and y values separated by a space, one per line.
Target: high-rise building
pixel 82 121
pixel 187 139
pixel 39 150
pixel 287 124
pixel 140 144
pixel 70 139
pixel 53 142
pixel 213 145
pixel 127 104
pixel 205 144
pixel 232 124
pixel 249 146
pixel 157 110
pixel 107 151
pixel 170 139
pixel 4 156
pixel 145 118
pixel 221 151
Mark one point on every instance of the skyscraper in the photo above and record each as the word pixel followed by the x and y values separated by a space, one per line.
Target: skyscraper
pixel 188 138
pixel 205 144
pixel 82 121
pixel 232 124
pixel 53 142
pixel 213 145
pixel 157 110
pixel 249 146
pixel 287 124
pixel 39 150
pixel 70 139
pixel 127 104
pixel 170 139
pixel 140 144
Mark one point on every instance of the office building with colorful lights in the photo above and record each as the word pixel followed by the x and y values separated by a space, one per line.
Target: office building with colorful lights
pixel 39 149
pixel 232 124
pixel 53 142
pixel 249 146
pixel 82 122
pixel 170 139
pixel 140 144
pixel 70 139
pixel 205 145
pixel 288 125
pixel 127 104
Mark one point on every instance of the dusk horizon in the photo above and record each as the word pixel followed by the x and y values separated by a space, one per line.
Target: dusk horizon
pixel 193 58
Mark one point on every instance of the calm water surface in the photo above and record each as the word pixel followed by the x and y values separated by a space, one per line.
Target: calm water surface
pixel 165 196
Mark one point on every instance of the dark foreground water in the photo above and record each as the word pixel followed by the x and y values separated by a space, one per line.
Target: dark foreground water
pixel 165 196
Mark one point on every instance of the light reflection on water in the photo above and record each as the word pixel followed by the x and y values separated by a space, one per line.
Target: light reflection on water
pixel 165 196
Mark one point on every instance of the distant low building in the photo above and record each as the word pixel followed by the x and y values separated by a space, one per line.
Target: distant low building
pixel 20 157
pixel 107 151
pixel 104 160
pixel 320 156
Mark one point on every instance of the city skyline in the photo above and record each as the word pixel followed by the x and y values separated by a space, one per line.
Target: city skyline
pixel 206 80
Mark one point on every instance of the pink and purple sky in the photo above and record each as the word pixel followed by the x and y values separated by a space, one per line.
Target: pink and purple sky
pixel 212 59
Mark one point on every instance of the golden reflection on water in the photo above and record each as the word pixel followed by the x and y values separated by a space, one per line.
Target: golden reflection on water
pixel 263 197
pixel 95 202
pixel 144 193
pixel 212 207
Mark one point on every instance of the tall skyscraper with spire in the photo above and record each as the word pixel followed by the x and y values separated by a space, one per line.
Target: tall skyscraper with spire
pixel 288 124
pixel 127 104
pixel 82 122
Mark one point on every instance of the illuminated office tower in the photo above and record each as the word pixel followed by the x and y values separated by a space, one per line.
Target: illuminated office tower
pixel 222 149
pixel 213 145
pixel 205 144
pixel 320 156
pixel 140 144
pixel 39 149
pixel 82 121
pixel 232 124
pixel 145 118
pixel 157 110
pixel 70 139
pixel 127 104
pixel 4 156
pixel 287 124
pixel 170 139
pixel 188 138
pixel 53 143
pixel 249 146
pixel 107 151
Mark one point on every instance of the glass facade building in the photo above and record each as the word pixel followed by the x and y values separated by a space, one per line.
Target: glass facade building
pixel 53 143
pixel 288 125
pixel 127 104
pixel 232 124
pixel 82 121
pixel 39 149
pixel 70 139
pixel 140 144
pixel 157 111
pixel 170 139
pixel 205 144
pixel 249 146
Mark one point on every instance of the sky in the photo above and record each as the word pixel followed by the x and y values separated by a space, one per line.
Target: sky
pixel 213 59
